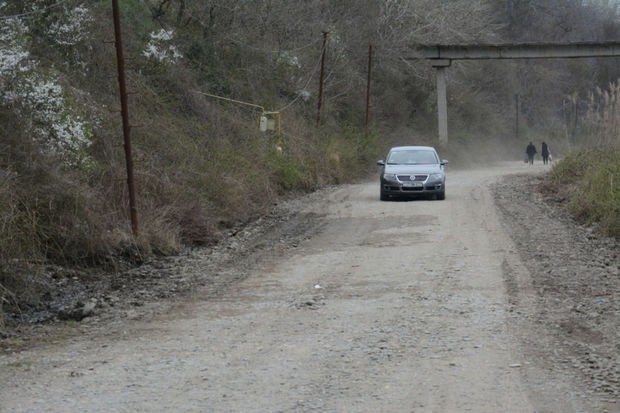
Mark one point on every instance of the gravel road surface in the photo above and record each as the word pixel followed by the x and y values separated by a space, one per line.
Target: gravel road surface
pixel 350 304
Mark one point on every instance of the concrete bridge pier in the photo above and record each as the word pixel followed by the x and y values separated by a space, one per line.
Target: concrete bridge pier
pixel 442 101
pixel 441 57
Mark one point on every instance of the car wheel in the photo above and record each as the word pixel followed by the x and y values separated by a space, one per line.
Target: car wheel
pixel 441 196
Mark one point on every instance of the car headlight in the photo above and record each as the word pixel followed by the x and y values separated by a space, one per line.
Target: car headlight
pixel 435 177
pixel 389 177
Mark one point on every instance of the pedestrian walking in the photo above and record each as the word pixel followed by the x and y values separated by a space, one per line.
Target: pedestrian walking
pixel 544 152
pixel 530 150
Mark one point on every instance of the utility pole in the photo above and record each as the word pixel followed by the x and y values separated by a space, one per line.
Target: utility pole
pixel 575 120
pixel 125 116
pixel 517 116
pixel 318 112
pixel 366 120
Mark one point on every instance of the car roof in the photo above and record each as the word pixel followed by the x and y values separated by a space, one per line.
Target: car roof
pixel 405 148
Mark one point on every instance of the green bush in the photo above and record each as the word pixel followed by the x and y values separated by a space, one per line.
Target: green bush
pixel 591 179
pixel 350 154
pixel 288 173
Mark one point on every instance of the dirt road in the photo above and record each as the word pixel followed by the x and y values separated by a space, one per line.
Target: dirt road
pixel 415 306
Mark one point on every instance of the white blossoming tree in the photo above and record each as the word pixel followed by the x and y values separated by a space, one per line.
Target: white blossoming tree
pixel 160 47
pixel 36 97
pixel 71 27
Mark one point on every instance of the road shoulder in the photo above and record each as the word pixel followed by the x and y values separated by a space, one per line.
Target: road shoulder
pixel 570 296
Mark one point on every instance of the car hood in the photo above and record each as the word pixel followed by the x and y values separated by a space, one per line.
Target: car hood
pixel 413 169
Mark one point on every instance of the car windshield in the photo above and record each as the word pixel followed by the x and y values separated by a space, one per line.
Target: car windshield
pixel 412 157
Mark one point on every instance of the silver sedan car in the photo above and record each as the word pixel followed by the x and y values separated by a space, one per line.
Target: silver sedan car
pixel 412 171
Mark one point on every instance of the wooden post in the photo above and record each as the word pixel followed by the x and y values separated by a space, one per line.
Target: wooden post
pixel 367 118
pixel 125 116
pixel 318 111
pixel 517 116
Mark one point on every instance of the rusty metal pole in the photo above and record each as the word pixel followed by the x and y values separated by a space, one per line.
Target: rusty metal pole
pixel 125 116
pixel 366 120
pixel 318 112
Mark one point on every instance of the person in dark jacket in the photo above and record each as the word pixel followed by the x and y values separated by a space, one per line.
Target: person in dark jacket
pixel 530 151
pixel 544 152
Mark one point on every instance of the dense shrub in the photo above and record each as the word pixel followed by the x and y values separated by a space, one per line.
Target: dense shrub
pixel 591 179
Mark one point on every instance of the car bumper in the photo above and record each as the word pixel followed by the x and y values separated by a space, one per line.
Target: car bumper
pixel 404 190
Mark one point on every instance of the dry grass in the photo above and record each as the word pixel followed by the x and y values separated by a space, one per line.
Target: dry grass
pixel 190 185
pixel 590 182
pixel 602 121
pixel 200 166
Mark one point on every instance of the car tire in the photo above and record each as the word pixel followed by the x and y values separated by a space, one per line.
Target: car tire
pixel 441 196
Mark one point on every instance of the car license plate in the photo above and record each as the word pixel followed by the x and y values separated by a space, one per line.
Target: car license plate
pixel 412 184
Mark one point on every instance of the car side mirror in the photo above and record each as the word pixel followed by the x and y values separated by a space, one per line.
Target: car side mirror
pixel 444 161
pixel 381 163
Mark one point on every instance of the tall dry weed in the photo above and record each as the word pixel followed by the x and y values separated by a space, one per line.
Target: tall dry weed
pixel 8 217
pixel 602 119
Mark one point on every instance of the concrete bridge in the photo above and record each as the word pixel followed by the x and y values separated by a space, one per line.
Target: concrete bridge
pixel 441 57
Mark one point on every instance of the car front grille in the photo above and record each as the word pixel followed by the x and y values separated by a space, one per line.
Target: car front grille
pixel 412 178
